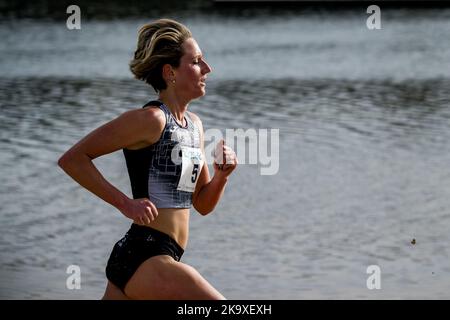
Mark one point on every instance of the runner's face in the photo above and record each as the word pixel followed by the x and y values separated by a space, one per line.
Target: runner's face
pixel 191 74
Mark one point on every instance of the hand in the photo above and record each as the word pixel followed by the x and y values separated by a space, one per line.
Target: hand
pixel 141 211
pixel 225 160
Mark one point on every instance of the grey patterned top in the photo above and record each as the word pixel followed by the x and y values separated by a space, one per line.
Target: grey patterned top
pixel 154 170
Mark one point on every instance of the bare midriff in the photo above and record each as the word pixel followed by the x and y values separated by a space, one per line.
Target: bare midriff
pixel 173 222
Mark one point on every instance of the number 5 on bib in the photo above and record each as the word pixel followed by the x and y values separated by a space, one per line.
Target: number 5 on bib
pixel 191 166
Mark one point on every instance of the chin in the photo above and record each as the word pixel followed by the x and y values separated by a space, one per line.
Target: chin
pixel 201 93
pixel 197 92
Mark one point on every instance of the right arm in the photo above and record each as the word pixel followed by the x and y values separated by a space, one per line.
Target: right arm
pixel 132 129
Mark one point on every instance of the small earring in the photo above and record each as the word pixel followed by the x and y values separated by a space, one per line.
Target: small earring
pixel 173 81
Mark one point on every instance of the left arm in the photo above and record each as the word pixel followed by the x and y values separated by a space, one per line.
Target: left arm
pixel 209 191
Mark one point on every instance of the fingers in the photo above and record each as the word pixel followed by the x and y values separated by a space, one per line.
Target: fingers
pixel 143 221
pixel 147 212
pixel 229 155
pixel 227 161
pixel 219 155
pixel 224 155
pixel 230 159
pixel 151 210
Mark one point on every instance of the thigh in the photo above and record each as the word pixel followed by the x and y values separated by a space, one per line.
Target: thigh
pixel 161 277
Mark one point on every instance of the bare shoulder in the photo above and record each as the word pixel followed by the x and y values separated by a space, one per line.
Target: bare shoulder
pixel 149 121
pixel 152 115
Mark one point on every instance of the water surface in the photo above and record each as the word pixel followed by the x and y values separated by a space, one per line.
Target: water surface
pixel 364 130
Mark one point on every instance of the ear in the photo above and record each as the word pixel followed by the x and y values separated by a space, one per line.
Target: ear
pixel 168 72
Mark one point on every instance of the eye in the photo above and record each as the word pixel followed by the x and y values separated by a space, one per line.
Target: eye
pixel 196 62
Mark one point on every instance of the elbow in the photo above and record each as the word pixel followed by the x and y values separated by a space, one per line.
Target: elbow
pixel 66 160
pixel 202 210
pixel 205 212
pixel 63 160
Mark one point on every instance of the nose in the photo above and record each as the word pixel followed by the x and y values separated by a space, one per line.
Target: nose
pixel 206 68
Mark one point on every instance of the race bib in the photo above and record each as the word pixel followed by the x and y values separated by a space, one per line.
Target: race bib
pixel 191 166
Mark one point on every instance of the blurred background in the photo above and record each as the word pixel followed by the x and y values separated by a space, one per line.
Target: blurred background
pixel 364 124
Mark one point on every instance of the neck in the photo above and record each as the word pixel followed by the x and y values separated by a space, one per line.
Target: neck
pixel 176 104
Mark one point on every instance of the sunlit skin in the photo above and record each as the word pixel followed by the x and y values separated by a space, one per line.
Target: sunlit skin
pixel 190 79
pixel 159 277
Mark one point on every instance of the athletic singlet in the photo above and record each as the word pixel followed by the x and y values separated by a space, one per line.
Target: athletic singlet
pixel 167 171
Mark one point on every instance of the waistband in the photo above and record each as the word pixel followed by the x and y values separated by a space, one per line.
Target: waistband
pixel 143 231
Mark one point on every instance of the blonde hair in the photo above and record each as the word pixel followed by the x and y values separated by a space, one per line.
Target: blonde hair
pixel 159 43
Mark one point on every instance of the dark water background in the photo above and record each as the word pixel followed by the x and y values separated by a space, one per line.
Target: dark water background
pixel 364 155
